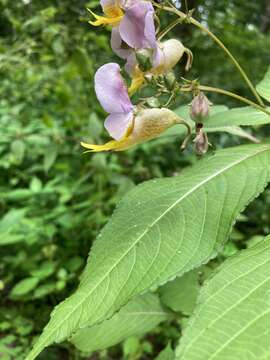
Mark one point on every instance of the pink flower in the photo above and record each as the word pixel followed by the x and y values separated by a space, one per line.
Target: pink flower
pixel 113 96
pixel 133 20
pixel 125 123
pixel 163 57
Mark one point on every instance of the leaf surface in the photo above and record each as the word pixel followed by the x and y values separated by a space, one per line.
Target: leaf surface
pixel 160 230
pixel 263 87
pixel 166 354
pixel 242 116
pixel 232 319
pixel 139 316
pixel 181 294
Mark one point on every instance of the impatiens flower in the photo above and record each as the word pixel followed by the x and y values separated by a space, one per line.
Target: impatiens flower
pixel 163 57
pixel 168 55
pixel 127 125
pixel 133 20
pixel 148 124
pixel 112 95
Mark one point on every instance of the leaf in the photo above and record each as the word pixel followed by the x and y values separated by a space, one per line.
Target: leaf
pixel 235 130
pixel 181 294
pixel 166 354
pixel 243 116
pixel 263 87
pixel 18 148
pixel 136 318
pixel 131 347
pixel 223 120
pixel 50 157
pixel 160 230
pixel 36 185
pixel 24 286
pixel 9 224
pixel 11 219
pixel 233 315
pixel 45 270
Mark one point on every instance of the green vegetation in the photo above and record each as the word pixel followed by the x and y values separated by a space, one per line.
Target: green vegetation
pixel 54 199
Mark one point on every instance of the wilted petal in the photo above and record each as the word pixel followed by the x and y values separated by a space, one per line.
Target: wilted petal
pixel 137 27
pixel 110 89
pixel 117 125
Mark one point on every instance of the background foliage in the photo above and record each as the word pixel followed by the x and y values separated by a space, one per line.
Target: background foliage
pixel 54 199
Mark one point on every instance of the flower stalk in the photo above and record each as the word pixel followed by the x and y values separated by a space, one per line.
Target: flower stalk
pixel 190 88
pixel 189 19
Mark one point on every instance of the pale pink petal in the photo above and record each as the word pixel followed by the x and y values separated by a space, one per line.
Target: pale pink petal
pixel 131 63
pixel 117 44
pixel 137 27
pixel 159 57
pixel 107 3
pixel 118 124
pixel 149 29
pixel 111 91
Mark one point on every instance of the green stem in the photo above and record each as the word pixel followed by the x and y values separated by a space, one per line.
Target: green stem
pixel 169 28
pixel 227 93
pixel 219 42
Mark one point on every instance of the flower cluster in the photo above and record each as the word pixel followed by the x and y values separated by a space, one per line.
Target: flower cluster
pixel 133 38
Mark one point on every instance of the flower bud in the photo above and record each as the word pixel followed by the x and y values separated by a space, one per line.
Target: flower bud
pixel 144 59
pixel 169 53
pixel 170 80
pixel 201 142
pixel 173 51
pixel 200 108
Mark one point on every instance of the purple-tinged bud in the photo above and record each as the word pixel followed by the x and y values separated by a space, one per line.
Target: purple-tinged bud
pixel 200 108
pixel 201 142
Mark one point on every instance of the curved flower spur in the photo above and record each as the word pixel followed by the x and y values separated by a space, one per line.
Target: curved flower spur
pixel 127 124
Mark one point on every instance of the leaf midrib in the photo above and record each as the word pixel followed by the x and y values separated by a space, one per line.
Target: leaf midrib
pixel 44 342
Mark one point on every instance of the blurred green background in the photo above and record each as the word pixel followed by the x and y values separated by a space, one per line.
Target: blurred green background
pixel 53 198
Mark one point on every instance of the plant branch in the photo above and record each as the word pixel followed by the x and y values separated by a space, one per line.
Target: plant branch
pixel 191 20
pixel 169 28
pixel 227 93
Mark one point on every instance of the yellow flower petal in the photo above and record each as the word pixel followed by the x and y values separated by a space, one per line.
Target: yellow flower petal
pixel 111 145
pixel 137 82
pixel 114 16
